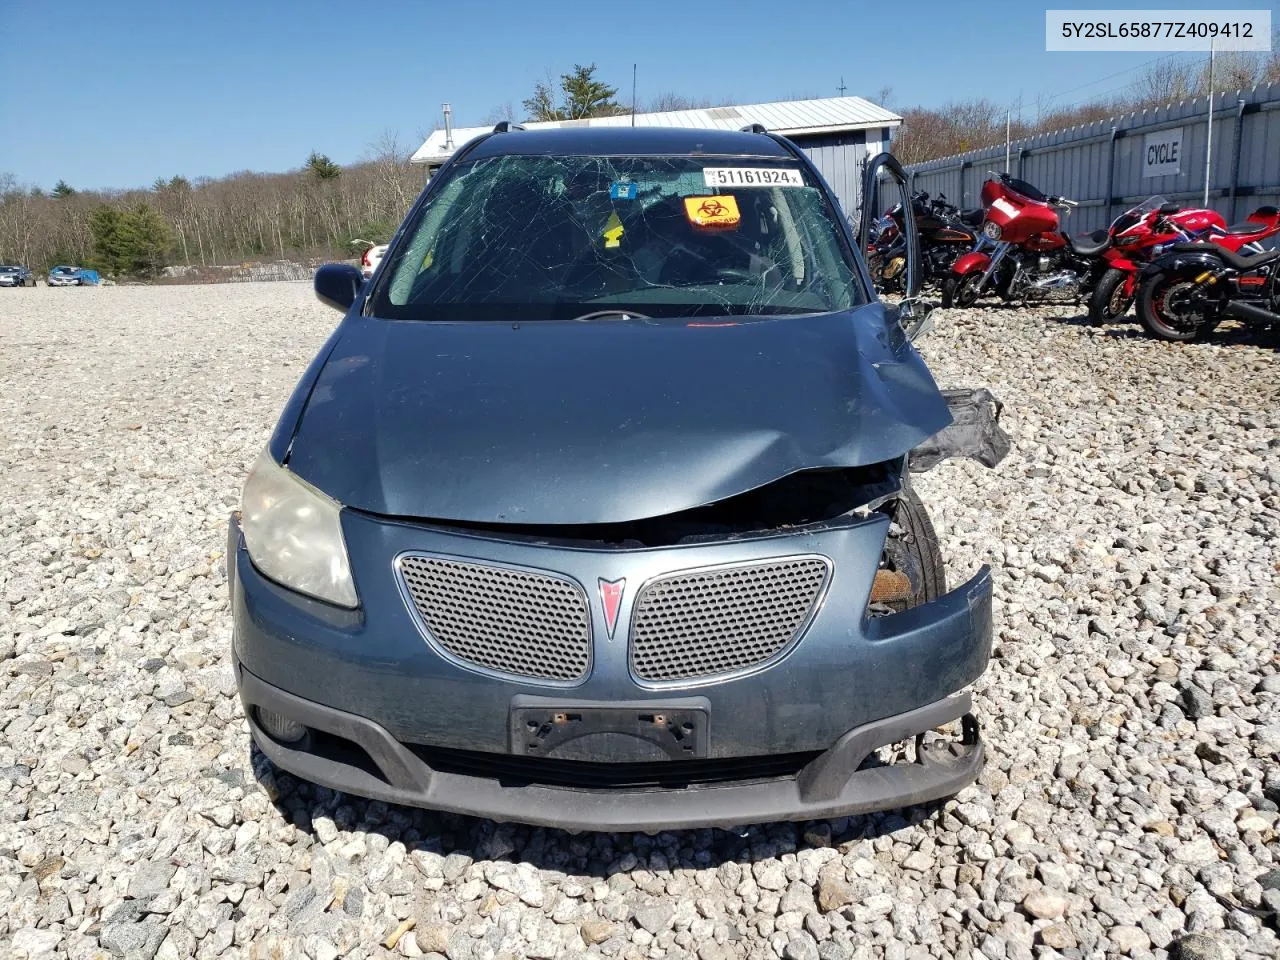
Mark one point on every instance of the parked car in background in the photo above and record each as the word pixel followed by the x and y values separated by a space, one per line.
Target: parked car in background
pixel 64 277
pixel 14 275
pixel 72 277
pixel 372 257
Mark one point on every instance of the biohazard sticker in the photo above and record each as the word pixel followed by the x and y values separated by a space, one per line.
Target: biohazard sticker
pixel 719 213
pixel 752 177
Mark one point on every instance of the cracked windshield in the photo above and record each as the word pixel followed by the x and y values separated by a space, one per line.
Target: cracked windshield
pixel 563 238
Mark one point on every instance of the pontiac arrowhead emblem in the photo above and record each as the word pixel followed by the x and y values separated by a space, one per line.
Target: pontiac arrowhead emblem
pixel 611 601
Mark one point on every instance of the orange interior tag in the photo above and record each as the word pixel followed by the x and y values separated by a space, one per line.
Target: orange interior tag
pixel 712 212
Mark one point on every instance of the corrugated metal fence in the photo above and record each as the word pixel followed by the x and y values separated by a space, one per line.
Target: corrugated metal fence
pixel 1107 166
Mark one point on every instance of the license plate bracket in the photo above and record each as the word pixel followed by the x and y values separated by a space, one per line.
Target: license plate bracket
pixel 679 731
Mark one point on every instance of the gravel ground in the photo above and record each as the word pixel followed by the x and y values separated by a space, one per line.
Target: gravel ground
pixel 1132 711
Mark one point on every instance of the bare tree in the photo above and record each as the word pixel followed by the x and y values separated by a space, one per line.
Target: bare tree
pixel 390 161
pixel 1166 81
pixel 669 101
pixel 504 111
pixel 1234 70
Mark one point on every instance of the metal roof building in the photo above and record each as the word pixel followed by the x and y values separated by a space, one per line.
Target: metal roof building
pixel 838 133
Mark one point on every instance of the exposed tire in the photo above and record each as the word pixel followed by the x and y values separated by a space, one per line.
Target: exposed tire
pixel 961 292
pixel 912 548
pixel 1108 302
pixel 1160 319
pixel 1004 286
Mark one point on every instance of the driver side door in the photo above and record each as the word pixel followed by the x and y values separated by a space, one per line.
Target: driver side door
pixel 884 184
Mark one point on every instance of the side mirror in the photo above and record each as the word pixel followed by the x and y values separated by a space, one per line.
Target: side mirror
pixel 885 173
pixel 1168 209
pixel 337 285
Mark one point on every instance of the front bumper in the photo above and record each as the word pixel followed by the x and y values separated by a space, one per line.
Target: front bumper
pixel 396 721
pixel 830 785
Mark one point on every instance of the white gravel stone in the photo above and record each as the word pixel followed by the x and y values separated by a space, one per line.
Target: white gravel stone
pixel 30 942
pixel 1045 904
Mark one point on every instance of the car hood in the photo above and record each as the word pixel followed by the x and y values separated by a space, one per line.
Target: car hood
pixel 603 421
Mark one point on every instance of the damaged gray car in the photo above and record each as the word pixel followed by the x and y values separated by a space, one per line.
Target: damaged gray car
pixel 595 509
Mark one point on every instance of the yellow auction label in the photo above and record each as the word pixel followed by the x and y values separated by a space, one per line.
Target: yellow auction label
pixel 712 211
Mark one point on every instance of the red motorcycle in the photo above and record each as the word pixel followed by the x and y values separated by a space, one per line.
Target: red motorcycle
pixel 1136 236
pixel 1032 259
pixel 1192 287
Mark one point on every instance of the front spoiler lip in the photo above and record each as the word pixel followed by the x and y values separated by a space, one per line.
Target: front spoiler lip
pixel 831 785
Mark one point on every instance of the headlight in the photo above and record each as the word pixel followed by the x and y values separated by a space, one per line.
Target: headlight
pixel 991 230
pixel 293 534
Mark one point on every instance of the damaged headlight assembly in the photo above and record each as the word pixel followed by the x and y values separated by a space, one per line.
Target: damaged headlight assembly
pixel 294 536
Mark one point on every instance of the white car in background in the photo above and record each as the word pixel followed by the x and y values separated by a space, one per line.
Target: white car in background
pixel 371 258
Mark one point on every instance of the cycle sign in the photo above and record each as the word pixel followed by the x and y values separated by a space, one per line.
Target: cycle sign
pixel 1162 153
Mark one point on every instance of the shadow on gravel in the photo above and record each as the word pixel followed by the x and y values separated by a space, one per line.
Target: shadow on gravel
pixel 595 855
pixel 1130 329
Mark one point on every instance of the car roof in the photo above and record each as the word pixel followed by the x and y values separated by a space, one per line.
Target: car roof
pixel 628 141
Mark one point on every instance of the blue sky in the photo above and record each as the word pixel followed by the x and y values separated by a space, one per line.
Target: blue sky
pixel 133 90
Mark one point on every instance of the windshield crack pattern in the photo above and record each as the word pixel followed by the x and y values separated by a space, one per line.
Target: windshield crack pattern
pixel 563 238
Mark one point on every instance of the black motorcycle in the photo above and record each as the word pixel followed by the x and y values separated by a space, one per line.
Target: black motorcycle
pixel 1187 292
pixel 945 233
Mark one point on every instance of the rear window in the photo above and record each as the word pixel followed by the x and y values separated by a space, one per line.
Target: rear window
pixel 537 237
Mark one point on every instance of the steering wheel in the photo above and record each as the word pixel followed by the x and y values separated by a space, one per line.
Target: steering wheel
pixel 624 314
pixel 735 273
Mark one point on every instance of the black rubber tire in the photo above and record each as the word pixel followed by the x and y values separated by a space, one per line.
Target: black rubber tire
pixel 912 534
pixel 1150 295
pixel 1108 303
pixel 1004 283
pixel 958 291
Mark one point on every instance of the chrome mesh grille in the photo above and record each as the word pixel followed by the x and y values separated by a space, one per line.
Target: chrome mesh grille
pixel 701 623
pixel 506 620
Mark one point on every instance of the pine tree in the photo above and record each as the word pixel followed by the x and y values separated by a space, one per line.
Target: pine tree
pixel 542 105
pixel 322 168
pixel 129 243
pixel 585 96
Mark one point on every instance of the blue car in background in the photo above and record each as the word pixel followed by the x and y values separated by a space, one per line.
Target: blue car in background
pixel 72 277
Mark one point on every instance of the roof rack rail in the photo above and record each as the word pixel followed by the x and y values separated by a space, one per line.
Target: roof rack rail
pixel 505 126
pixel 754 128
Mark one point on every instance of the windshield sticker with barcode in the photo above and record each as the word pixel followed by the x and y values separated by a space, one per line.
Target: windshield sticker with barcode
pixel 752 177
